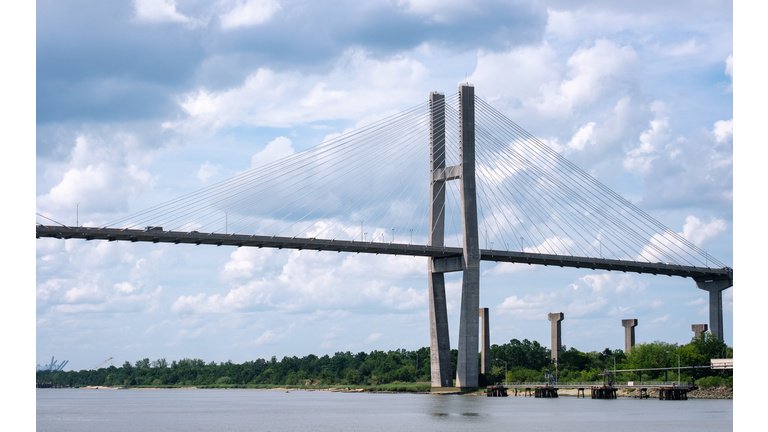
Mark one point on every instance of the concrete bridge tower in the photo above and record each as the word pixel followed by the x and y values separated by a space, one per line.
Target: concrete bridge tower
pixel 629 334
pixel 698 330
pixel 557 339
pixel 715 287
pixel 469 323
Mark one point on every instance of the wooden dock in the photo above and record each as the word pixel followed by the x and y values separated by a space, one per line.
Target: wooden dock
pixel 604 392
pixel 545 392
pixel 496 391
pixel 674 393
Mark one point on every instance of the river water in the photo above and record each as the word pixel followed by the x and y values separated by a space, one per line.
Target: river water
pixel 102 410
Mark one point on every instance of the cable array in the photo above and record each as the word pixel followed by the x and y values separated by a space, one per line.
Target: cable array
pixel 533 199
pixel 372 184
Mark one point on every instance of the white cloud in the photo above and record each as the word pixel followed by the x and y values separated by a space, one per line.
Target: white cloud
pixel 44 290
pixel 318 96
pixel 272 336
pixel 125 287
pixel 620 311
pixel 245 262
pixel 158 11
pixel 249 13
pixel 582 137
pixel 687 48
pixel 696 302
pixel 640 159
pixel 529 307
pixel 694 230
pixel 698 232
pixel 531 66
pixel 441 11
pixel 723 130
pixel 373 337
pixel 575 25
pixel 604 282
pixel 276 149
pixel 280 99
pixel 594 72
pixel 207 170
pixel 662 319
pixel 101 174
pixel 308 280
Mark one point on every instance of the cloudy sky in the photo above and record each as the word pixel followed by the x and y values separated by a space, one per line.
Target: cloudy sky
pixel 138 102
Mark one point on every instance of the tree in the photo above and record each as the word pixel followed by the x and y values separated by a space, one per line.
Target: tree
pixel 160 364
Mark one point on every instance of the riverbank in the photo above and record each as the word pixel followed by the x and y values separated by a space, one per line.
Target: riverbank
pixel 701 393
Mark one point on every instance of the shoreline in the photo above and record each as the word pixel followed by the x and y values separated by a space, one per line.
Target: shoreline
pixel 710 393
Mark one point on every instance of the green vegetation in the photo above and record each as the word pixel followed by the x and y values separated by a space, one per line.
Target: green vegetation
pixel 529 362
pixel 408 371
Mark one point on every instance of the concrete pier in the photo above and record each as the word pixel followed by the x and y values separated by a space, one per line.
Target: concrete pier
pixel 485 352
pixel 439 343
pixel 698 329
pixel 467 373
pixel 556 343
pixel 715 288
pixel 629 334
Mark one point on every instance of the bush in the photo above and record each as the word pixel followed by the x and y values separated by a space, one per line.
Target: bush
pixel 714 381
pixel 224 380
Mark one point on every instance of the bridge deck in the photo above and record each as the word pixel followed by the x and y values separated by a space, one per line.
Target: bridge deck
pixel 240 240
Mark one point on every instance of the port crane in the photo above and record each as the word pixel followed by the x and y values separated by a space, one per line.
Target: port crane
pixel 100 364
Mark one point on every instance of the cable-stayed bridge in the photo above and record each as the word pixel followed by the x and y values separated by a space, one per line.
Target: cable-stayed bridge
pixel 451 179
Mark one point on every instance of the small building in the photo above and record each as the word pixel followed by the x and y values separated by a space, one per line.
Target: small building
pixel 722 363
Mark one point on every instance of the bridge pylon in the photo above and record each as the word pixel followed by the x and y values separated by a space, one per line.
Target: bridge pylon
pixel 715 286
pixel 439 342
pixel 469 263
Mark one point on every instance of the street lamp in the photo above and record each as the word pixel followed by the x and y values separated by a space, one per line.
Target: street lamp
pixel 613 376
pixel 505 370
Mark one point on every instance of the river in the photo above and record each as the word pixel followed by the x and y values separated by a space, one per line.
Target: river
pixel 86 410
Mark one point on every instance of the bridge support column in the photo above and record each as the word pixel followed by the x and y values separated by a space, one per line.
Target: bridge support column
pixel 439 342
pixel 467 373
pixel 485 352
pixel 698 329
pixel 556 343
pixel 715 288
pixel 629 334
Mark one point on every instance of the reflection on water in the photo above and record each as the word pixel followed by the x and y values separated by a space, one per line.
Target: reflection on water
pixel 245 410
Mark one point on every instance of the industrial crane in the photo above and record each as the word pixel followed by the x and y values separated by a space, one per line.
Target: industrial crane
pixel 100 363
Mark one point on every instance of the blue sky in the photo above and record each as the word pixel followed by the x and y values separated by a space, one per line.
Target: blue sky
pixel 140 102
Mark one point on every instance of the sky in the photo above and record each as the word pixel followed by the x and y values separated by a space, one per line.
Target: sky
pixel 139 102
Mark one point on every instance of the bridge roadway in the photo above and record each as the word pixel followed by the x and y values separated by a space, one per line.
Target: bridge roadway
pixel 448 258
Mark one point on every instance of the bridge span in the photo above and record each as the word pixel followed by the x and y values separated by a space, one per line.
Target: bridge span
pixel 447 258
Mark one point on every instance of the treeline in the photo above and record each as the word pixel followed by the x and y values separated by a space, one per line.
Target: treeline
pixel 530 362
pixel 526 361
